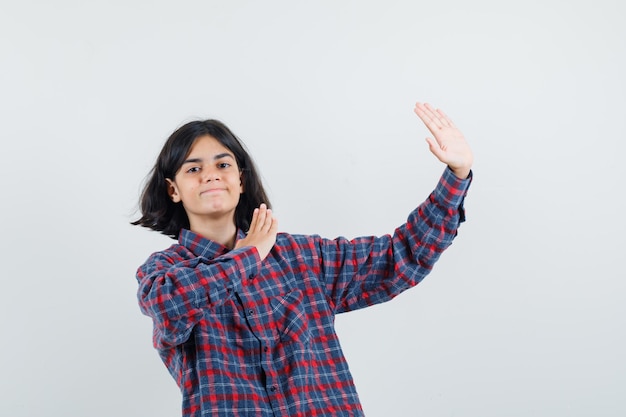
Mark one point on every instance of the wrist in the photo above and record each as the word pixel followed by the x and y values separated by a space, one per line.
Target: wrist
pixel 461 173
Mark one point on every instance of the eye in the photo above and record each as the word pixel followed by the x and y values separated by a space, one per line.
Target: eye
pixel 193 170
pixel 224 165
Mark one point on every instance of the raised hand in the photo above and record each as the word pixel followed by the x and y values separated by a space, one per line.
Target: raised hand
pixel 448 145
pixel 262 233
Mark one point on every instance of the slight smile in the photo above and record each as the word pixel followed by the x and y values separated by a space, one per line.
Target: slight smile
pixel 212 190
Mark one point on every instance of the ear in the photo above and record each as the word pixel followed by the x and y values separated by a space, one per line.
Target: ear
pixel 172 190
pixel 241 185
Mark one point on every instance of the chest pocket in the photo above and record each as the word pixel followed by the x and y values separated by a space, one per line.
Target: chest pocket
pixel 290 321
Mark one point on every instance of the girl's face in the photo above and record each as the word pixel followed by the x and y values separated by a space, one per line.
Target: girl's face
pixel 208 183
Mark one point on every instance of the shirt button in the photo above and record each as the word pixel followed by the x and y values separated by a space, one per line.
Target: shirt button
pixel 273 388
pixel 250 312
pixel 265 348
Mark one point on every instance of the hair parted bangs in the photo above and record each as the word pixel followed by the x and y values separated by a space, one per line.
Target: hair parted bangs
pixel 160 213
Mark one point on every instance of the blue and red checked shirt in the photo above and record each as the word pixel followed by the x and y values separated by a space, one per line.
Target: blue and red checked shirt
pixel 245 337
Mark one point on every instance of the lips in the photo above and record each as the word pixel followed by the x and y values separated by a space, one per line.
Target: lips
pixel 212 190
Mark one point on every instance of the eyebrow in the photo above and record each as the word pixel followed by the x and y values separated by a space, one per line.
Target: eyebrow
pixel 215 158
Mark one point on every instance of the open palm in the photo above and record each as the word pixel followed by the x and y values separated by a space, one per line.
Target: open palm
pixel 448 145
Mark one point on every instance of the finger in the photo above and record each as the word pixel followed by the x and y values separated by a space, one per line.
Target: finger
pixel 441 118
pixel 274 226
pixel 261 217
pixel 268 221
pixel 427 117
pixel 255 218
pixel 444 118
pixel 433 114
pixel 424 113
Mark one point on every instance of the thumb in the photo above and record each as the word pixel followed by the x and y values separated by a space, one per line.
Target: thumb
pixel 435 148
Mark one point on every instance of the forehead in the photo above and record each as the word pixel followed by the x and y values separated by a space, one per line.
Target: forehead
pixel 207 147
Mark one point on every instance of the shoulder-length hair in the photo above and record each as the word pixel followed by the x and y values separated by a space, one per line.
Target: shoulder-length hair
pixel 161 214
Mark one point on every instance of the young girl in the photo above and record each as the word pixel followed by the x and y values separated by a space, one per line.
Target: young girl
pixel 243 315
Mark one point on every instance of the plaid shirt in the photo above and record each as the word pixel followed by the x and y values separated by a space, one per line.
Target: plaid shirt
pixel 245 337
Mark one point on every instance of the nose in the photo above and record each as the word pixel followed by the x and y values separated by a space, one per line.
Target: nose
pixel 210 175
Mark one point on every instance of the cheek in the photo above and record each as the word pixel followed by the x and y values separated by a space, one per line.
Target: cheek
pixel 187 189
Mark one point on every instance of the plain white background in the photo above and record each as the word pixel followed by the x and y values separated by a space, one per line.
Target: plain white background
pixel 523 316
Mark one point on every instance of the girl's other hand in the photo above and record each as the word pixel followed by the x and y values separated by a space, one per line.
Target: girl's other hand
pixel 262 233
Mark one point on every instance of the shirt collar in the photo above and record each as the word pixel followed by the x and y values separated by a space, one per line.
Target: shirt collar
pixel 201 246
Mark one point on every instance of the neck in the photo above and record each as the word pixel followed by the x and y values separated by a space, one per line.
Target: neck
pixel 222 232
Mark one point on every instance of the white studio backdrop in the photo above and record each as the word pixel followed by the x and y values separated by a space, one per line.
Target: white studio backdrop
pixel 523 316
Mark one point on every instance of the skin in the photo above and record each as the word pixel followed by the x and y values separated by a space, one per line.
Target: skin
pixel 212 214
pixel 448 145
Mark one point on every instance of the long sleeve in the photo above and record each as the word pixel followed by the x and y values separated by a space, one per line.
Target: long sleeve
pixel 371 270
pixel 240 335
pixel 175 290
